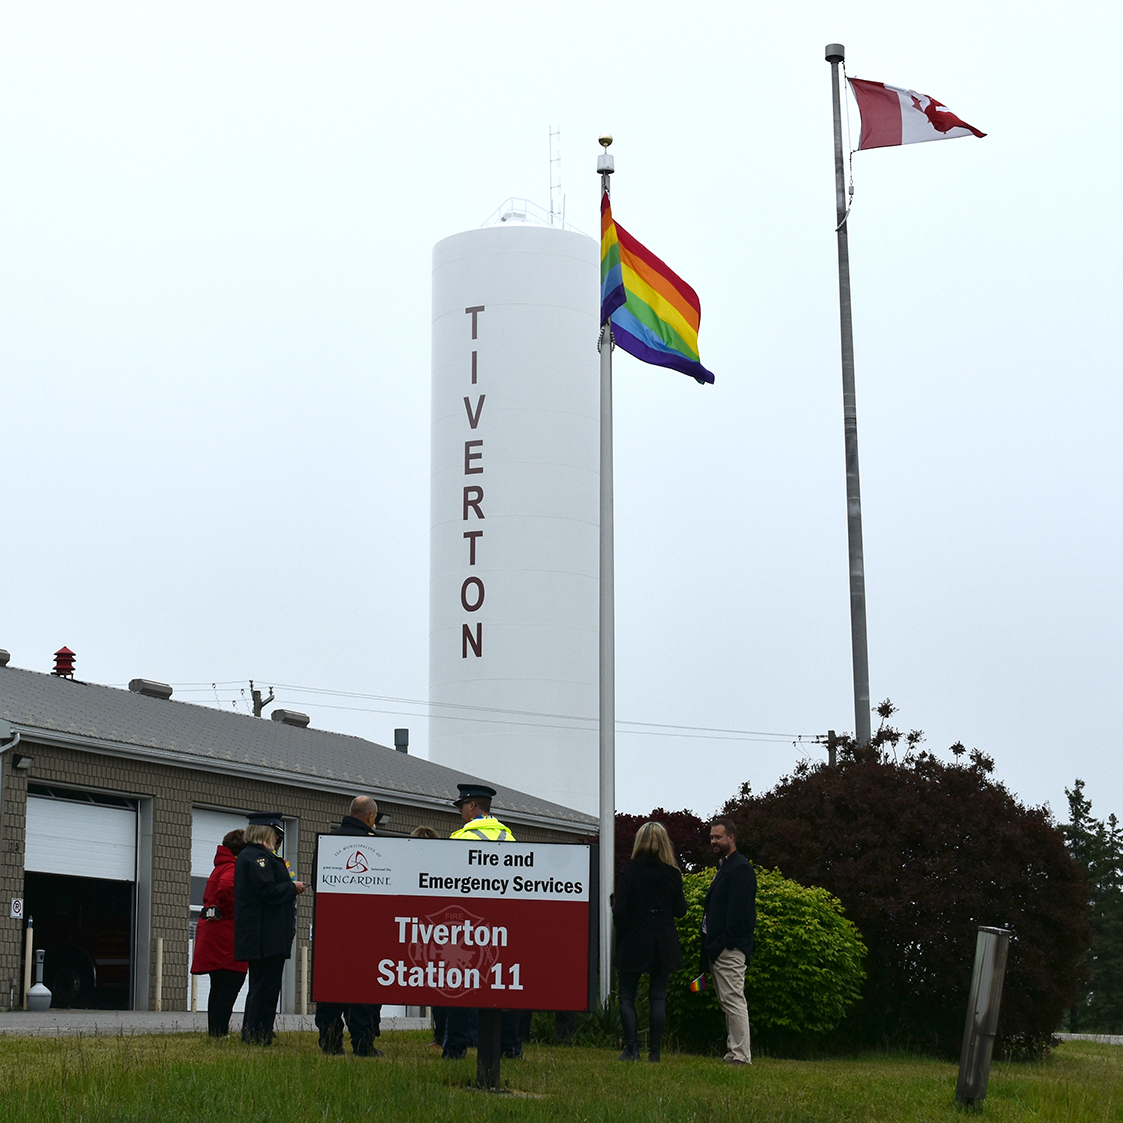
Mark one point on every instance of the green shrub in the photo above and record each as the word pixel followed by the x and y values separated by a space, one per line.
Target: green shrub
pixel 806 969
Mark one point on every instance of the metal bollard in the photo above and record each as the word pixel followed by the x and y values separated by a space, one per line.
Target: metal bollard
pixel 28 958
pixel 159 974
pixel 982 1015
pixel 304 980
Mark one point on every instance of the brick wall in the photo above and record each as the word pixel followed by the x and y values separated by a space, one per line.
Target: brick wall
pixel 13 810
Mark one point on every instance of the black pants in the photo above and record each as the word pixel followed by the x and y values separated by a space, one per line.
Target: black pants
pixel 362 1023
pixel 462 1028
pixel 657 993
pixel 220 1002
pixel 565 1026
pixel 261 1001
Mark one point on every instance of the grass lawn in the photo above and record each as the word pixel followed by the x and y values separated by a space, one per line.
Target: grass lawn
pixel 170 1078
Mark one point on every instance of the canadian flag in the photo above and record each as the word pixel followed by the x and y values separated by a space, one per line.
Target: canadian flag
pixel 891 115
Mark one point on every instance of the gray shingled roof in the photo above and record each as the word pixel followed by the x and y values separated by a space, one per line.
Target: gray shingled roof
pixel 84 715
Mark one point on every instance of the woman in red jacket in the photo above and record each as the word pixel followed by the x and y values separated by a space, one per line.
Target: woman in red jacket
pixel 214 937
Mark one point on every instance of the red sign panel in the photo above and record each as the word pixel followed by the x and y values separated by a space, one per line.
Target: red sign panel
pixel 426 922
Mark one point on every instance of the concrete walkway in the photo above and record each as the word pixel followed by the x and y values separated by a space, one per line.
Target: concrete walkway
pixel 114 1023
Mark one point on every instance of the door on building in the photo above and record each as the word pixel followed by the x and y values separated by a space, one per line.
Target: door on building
pixel 80 892
pixel 208 828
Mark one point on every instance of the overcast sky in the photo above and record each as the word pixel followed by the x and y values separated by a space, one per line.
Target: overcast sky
pixel 216 222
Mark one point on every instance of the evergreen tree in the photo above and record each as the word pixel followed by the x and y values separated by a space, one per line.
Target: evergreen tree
pixel 1098 847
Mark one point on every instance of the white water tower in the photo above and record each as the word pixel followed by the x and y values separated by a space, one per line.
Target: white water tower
pixel 514 511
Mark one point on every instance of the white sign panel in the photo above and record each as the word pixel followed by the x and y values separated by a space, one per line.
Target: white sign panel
pixel 426 867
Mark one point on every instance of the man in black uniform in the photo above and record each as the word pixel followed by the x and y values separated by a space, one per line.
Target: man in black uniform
pixel 264 921
pixel 362 1018
pixel 462 1022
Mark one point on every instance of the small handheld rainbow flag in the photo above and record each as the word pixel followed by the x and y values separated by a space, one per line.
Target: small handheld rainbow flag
pixel 698 984
pixel 654 312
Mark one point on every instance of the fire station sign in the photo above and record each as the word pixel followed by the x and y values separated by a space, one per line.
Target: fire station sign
pixel 436 922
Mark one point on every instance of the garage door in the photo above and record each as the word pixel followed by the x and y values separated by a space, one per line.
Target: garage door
pixel 80 860
pixel 208 828
pixel 80 839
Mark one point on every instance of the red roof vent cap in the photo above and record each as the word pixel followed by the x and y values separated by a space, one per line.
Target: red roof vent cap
pixel 64 663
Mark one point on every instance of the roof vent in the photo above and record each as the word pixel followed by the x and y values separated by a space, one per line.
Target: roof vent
pixel 291 717
pixel 64 663
pixel 4 657
pixel 401 740
pixel 149 688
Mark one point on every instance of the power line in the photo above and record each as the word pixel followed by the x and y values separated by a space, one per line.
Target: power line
pixel 543 720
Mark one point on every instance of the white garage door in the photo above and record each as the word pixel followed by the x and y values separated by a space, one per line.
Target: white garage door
pixel 80 839
pixel 208 828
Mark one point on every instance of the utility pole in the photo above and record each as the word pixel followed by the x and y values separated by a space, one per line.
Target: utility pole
pixel 259 703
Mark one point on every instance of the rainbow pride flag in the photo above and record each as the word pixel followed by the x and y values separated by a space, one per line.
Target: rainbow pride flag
pixel 698 984
pixel 654 312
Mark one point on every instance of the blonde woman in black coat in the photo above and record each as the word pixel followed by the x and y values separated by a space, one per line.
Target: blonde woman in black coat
pixel 648 898
pixel 264 921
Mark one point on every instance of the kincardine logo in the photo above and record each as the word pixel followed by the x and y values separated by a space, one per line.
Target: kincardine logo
pixel 348 865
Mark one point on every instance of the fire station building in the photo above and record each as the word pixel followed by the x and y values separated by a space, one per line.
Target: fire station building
pixel 112 802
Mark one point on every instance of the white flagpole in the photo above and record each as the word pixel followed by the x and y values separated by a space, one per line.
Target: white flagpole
pixel 835 55
pixel 605 166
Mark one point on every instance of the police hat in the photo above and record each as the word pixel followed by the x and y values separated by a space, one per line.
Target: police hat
pixel 266 819
pixel 473 791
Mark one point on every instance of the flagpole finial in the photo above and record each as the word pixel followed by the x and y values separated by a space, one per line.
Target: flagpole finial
pixel 835 52
pixel 605 164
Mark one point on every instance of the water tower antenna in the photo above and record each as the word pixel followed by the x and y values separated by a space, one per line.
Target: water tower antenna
pixel 556 175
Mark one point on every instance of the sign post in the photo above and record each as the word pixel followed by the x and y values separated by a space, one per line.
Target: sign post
pixel 435 922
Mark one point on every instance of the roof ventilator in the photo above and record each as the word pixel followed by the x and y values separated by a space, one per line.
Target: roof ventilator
pixel 291 717
pixel 64 663
pixel 150 688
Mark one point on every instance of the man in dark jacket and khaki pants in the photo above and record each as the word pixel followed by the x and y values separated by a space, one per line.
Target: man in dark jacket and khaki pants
pixel 728 924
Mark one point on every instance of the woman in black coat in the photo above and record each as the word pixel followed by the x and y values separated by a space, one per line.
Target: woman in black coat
pixel 648 898
pixel 264 922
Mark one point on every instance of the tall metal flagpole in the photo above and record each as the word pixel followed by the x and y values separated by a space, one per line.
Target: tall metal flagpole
pixel 605 166
pixel 835 55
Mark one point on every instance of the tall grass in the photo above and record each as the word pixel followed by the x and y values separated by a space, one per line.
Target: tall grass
pixel 191 1077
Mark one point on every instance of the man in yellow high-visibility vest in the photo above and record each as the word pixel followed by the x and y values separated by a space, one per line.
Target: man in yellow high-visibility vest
pixel 480 825
pixel 475 813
